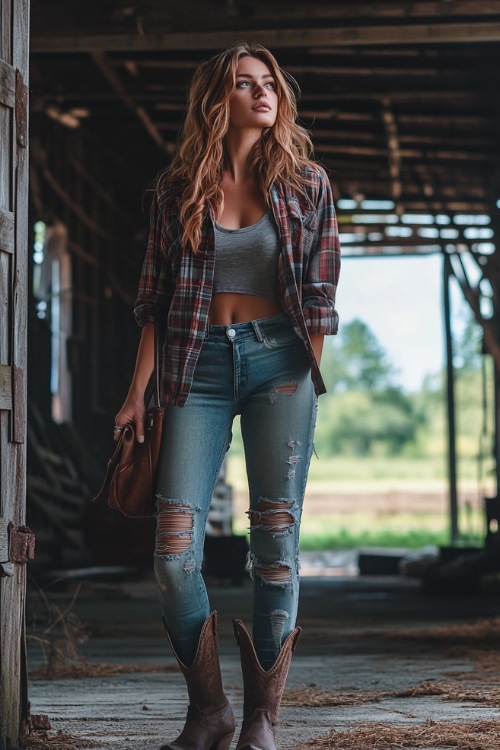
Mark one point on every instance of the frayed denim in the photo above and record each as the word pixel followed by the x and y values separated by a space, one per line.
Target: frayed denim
pixel 260 370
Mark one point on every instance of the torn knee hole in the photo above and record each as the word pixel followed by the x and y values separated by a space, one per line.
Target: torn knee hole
pixel 273 515
pixel 174 529
pixel 274 573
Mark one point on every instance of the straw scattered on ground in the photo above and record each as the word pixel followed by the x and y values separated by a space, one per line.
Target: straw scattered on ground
pixel 480 735
pixel 311 697
pixel 59 741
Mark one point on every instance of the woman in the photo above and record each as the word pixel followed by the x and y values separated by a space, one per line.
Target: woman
pixel 240 277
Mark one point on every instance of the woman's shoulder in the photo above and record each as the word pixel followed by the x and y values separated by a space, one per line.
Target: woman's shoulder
pixel 313 180
pixel 314 176
pixel 168 191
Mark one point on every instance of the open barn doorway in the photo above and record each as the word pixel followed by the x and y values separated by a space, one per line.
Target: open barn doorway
pixel 398 100
pixel 404 125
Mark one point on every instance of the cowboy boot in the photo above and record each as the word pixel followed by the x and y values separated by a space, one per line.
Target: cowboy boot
pixel 210 720
pixel 262 690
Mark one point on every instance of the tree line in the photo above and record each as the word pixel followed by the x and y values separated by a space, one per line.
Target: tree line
pixel 366 411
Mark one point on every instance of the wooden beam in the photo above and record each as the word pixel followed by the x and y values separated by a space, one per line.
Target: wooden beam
pixel 413 153
pixel 275 38
pixel 386 9
pixel 471 294
pixel 393 149
pixel 71 204
pixel 379 251
pixel 109 74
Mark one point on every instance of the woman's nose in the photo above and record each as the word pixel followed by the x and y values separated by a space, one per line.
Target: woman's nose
pixel 259 91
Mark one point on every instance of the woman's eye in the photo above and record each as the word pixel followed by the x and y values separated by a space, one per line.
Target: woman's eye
pixel 270 85
pixel 242 84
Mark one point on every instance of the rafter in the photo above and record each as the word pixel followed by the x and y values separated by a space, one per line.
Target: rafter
pixel 109 74
pixel 276 38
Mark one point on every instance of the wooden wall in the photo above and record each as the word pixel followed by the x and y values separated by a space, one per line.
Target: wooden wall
pixel 77 183
pixel 13 286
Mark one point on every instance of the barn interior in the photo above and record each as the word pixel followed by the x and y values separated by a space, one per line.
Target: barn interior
pixel 402 102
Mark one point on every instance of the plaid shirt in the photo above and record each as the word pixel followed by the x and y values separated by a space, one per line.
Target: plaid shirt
pixel 175 287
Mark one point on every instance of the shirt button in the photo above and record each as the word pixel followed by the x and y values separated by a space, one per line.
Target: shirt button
pixel 230 333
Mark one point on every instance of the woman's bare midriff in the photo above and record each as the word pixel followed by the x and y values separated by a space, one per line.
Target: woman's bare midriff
pixel 227 308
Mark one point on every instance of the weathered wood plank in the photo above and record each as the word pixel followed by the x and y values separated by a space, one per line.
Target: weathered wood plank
pixel 18 406
pixel 6 125
pixel 14 181
pixel 6 231
pixel 6 567
pixel 5 387
pixel 5 264
pixel 277 38
pixel 7 84
pixel 5 31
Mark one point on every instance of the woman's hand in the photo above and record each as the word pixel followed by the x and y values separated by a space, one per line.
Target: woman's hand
pixel 133 412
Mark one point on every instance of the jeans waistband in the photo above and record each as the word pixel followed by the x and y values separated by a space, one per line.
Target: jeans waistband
pixel 251 328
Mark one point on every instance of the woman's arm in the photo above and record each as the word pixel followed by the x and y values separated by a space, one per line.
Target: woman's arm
pixel 153 299
pixel 320 280
pixel 317 345
pixel 133 409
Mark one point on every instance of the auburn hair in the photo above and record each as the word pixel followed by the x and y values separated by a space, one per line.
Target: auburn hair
pixel 281 152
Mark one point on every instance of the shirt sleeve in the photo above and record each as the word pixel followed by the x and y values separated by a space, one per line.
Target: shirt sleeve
pixel 319 284
pixel 154 294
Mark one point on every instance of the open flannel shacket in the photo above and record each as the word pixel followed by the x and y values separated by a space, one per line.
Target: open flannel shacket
pixel 175 287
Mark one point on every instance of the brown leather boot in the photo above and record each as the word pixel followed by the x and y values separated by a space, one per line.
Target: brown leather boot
pixel 262 691
pixel 210 720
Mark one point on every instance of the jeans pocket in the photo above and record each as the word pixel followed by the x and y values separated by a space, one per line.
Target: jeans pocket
pixel 281 338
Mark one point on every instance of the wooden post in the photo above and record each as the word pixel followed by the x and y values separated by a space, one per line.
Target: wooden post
pixel 450 400
pixel 495 285
pixel 14 38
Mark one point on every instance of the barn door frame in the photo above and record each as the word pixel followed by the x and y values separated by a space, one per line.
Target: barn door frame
pixel 16 542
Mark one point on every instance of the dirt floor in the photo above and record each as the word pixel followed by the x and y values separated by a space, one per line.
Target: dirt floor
pixel 380 665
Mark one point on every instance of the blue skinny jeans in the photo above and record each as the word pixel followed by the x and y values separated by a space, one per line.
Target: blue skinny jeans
pixel 260 370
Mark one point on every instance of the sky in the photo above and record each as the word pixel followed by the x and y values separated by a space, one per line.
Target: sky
pixel 400 299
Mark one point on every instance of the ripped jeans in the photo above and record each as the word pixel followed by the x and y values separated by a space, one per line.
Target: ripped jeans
pixel 260 370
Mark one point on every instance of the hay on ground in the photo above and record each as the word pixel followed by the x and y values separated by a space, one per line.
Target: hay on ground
pixel 59 741
pixel 479 735
pixel 448 691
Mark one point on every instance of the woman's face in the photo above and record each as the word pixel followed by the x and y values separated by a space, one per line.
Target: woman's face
pixel 254 101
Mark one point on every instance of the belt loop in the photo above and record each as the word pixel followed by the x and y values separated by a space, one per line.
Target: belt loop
pixel 258 333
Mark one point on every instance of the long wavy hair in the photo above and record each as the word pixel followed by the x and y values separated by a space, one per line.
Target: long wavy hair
pixel 281 152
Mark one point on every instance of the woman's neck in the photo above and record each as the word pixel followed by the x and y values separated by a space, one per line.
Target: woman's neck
pixel 239 145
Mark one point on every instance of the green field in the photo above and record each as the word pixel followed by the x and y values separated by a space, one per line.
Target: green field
pixel 368 478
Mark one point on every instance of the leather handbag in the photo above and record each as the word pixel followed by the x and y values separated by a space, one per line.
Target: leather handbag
pixel 129 483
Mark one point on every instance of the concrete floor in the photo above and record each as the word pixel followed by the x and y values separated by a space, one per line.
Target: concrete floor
pixel 352 641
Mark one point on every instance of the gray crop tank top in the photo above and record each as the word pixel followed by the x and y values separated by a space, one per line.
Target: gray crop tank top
pixel 246 259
